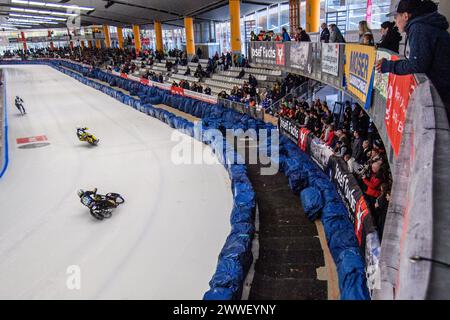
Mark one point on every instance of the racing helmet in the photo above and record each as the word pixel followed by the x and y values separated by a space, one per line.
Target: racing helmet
pixel 80 193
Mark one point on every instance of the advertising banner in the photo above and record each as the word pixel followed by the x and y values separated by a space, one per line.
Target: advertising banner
pixel 289 129
pixel 382 79
pixel 303 141
pixel 330 58
pixel 300 56
pixel 359 71
pixel 269 53
pixel 177 90
pixel 399 92
pixel 320 153
pixel 350 193
pixel 338 172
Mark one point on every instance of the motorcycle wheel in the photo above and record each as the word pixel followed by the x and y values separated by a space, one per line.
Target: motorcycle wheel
pixel 97 213
pixel 107 214
pixel 117 198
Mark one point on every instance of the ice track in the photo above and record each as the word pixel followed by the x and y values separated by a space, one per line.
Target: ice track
pixel 161 244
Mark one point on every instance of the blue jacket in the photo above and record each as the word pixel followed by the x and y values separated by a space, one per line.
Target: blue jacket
pixel 429 44
pixel 286 37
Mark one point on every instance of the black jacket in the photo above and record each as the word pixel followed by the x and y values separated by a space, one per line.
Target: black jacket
pixel 325 35
pixel 391 41
pixel 429 43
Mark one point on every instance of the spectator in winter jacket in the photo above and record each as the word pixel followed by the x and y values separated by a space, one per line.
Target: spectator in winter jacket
pixel 390 37
pixel 373 182
pixel 325 34
pixel 357 149
pixel 381 207
pixel 364 32
pixel 285 35
pixel 336 34
pixel 368 39
pixel 241 74
pixel 304 36
pixel 429 45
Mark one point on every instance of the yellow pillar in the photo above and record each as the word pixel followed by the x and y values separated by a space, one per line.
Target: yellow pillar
pixel 98 44
pixel 89 44
pixel 82 44
pixel 312 15
pixel 159 38
pixel 137 38
pixel 107 36
pixel 235 24
pixel 120 37
pixel 190 41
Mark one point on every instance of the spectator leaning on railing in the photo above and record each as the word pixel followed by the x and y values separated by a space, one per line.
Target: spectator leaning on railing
pixel 429 45
pixel 336 34
pixel 365 34
pixel 390 37
pixel 285 35
pixel 325 33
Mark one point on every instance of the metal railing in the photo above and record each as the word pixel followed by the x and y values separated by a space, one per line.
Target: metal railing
pixel 254 112
pixel 295 93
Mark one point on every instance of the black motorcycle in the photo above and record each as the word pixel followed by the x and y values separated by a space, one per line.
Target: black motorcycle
pixel 102 205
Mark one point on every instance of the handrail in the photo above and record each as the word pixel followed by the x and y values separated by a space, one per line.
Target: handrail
pixel 254 112
pixel 295 92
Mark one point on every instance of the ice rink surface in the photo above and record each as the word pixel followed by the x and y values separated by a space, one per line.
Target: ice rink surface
pixel 162 243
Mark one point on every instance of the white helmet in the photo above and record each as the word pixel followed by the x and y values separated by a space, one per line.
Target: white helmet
pixel 80 193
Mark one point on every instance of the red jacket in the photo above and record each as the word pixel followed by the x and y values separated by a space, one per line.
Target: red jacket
pixel 330 138
pixel 373 186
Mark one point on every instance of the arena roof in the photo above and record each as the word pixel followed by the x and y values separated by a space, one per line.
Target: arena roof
pixel 120 12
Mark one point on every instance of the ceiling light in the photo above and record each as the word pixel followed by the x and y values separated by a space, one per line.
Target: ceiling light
pixel 33 21
pixel 56 13
pixel 36 17
pixel 52 5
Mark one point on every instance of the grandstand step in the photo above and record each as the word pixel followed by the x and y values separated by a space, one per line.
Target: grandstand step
pixel 286 270
pixel 268 288
pixel 287 231
pixel 284 243
pixel 289 247
pixel 297 257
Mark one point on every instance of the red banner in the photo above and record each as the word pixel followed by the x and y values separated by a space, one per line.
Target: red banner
pixel 303 139
pixel 399 92
pixel 144 81
pixel 177 90
pixel 31 139
pixel 280 54
pixel 369 12
pixel 124 75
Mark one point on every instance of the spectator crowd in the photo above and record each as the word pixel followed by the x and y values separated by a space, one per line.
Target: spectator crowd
pixel 352 136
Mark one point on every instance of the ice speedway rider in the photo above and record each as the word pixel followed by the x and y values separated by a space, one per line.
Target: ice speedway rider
pixel 83 135
pixel 19 105
pixel 99 205
pixel 81 132
pixel 89 198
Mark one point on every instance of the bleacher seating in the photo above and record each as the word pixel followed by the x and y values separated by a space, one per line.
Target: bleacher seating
pixel 195 64
pixel 234 74
pixel 230 80
pixel 275 73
